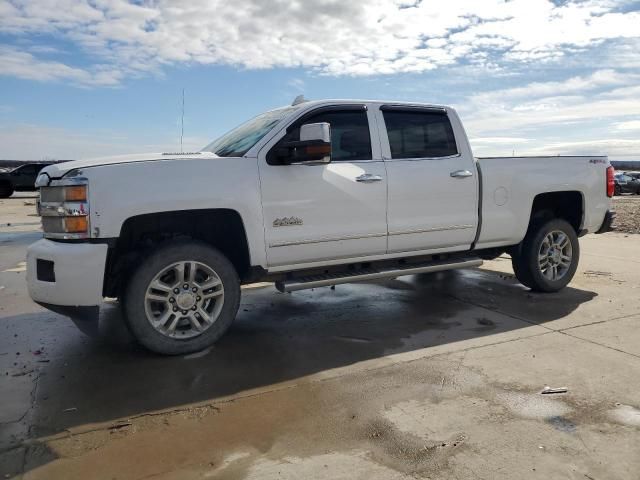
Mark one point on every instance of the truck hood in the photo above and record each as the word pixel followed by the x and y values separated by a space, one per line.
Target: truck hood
pixel 60 169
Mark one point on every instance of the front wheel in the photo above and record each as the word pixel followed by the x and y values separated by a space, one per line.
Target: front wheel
pixel 6 190
pixel 182 298
pixel 547 258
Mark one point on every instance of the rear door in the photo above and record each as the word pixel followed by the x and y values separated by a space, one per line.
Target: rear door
pixel 327 212
pixel 432 180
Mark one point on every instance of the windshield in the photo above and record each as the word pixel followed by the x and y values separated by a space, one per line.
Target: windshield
pixel 238 141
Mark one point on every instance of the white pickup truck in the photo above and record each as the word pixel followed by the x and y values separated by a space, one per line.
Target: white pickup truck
pixel 314 194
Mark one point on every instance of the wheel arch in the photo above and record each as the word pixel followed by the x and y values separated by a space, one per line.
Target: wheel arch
pixel 568 205
pixel 221 228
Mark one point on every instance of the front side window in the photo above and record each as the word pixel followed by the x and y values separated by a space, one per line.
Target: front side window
pixel 350 137
pixel 28 169
pixel 419 134
pixel 239 141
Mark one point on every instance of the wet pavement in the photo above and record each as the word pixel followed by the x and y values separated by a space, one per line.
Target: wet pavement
pixel 431 376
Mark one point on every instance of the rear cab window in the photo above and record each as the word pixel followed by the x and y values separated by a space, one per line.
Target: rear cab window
pixel 418 133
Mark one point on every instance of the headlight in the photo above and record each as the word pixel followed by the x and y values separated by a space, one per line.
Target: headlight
pixel 64 208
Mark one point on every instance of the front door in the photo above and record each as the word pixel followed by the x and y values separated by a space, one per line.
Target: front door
pixel 433 184
pixel 332 211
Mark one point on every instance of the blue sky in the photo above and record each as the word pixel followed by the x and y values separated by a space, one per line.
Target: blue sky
pixel 90 78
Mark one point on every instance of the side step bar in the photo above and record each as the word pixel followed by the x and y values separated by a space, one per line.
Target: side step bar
pixel 324 280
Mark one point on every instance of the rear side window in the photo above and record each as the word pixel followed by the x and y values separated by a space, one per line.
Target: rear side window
pixel 419 134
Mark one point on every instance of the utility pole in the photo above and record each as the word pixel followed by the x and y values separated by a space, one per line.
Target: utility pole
pixel 182 123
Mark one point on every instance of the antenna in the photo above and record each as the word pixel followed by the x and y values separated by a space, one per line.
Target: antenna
pixel 182 122
pixel 298 100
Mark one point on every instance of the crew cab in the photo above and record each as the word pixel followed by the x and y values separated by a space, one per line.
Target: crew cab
pixel 313 194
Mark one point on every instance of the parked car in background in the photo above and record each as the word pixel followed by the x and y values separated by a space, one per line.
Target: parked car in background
pixel 634 175
pixel 625 183
pixel 22 178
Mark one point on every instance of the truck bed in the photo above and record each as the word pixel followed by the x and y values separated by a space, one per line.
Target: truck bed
pixel 509 185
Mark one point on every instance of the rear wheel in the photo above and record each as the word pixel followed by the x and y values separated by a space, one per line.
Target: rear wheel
pixel 617 190
pixel 182 298
pixel 547 258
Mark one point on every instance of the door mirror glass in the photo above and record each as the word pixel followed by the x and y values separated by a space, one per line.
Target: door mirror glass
pixel 313 147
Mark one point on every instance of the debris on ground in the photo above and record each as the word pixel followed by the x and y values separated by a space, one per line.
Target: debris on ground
pixel 547 390
pixel 120 425
pixel 70 409
pixel 627 213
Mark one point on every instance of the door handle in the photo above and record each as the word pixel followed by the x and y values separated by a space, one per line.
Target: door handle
pixel 461 174
pixel 368 178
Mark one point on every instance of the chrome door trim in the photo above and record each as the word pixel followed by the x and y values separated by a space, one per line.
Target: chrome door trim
pixel 418 159
pixel 434 229
pixel 325 239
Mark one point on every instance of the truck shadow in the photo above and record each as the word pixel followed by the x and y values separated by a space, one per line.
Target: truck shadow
pixel 282 337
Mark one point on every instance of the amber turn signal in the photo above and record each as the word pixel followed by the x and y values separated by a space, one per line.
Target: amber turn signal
pixel 76 193
pixel 76 224
pixel 319 149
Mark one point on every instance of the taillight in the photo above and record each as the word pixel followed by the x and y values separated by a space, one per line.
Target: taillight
pixel 611 183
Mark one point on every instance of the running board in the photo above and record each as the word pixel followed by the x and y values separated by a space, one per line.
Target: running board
pixel 324 280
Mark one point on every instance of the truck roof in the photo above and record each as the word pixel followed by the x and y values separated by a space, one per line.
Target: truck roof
pixel 345 101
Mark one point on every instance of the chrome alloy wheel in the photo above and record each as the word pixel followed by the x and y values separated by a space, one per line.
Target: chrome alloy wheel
pixel 555 255
pixel 184 299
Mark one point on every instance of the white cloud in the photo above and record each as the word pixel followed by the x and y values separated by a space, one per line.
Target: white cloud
pixel 335 37
pixel 24 65
pixel 612 147
pixel 592 114
pixel 604 95
pixel 498 140
pixel 630 126
pixel 35 142
pixel 607 78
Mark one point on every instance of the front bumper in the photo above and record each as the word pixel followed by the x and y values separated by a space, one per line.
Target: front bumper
pixel 607 224
pixel 66 274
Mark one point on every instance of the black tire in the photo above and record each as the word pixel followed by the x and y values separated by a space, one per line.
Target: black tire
pixel 6 190
pixel 617 190
pixel 525 257
pixel 134 302
pixel 519 268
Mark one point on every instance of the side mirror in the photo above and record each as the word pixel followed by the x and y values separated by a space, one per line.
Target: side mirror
pixel 313 148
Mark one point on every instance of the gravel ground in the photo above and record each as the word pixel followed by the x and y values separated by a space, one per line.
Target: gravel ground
pixel 627 209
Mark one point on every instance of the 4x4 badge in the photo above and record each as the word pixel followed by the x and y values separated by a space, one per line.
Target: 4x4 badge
pixel 287 221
